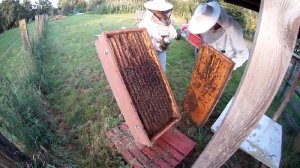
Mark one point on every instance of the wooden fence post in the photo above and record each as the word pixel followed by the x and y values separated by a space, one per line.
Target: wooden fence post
pixel 37 28
pixel 24 35
pixel 273 48
pixel 287 98
pixel 10 155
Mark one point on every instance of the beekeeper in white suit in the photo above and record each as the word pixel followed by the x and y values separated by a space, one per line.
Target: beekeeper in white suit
pixel 220 31
pixel 157 21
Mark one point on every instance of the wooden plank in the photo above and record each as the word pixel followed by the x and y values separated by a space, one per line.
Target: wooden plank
pixel 287 97
pixel 10 154
pixel 289 73
pixel 209 78
pixel 135 151
pixel 273 47
pixel 297 90
pixel 161 163
pixel 160 154
pixel 175 139
pixel 164 145
pixel 6 162
pixel 143 158
pixel 121 148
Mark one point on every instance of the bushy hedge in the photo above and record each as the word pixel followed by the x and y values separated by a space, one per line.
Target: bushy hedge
pixel 115 6
pixel 247 18
pixel 182 9
pixel 11 11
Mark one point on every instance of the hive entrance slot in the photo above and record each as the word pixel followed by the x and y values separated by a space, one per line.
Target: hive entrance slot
pixel 143 80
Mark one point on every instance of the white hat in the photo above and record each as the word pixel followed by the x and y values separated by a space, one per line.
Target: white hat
pixel 158 5
pixel 205 17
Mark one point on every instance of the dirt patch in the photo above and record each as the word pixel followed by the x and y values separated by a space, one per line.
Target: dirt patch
pixel 56 120
pixel 57 17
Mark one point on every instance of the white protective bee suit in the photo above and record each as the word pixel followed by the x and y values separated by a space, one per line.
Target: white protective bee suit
pixel 228 39
pixel 156 32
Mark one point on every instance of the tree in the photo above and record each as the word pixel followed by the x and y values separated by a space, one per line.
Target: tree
pixel 43 7
pixel 65 7
pixel 30 12
pixel 80 6
pixel 92 4
pixel 1 23
pixel 11 11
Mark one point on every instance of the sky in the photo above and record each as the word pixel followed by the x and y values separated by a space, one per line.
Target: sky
pixel 53 2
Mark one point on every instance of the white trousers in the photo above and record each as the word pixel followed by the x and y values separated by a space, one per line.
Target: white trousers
pixel 162 55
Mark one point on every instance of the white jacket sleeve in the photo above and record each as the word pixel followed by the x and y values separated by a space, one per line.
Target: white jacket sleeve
pixel 241 52
pixel 173 33
pixel 151 28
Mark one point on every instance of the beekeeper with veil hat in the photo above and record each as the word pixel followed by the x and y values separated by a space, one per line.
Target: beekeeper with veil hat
pixel 220 31
pixel 158 23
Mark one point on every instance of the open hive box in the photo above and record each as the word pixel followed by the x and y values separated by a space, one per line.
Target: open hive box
pixel 138 83
pixel 209 78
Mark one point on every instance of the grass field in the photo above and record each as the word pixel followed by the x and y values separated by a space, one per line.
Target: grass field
pixel 80 104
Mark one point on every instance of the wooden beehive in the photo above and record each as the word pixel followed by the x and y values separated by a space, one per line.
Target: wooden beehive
pixel 209 78
pixel 195 40
pixel 138 83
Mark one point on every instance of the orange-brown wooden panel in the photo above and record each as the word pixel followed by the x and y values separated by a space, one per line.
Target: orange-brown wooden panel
pixel 209 77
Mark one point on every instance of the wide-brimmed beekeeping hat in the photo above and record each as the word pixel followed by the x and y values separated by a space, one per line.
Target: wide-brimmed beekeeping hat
pixel 158 5
pixel 205 17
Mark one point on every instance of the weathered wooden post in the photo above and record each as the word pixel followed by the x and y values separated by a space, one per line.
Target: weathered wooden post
pixel 41 22
pixel 24 35
pixel 273 48
pixel 10 155
pixel 39 26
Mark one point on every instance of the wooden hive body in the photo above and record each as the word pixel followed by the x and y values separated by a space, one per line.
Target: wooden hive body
pixel 138 83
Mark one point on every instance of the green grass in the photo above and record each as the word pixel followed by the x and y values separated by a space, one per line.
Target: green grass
pixel 79 90
pixel 81 102
pixel 8 38
pixel 22 105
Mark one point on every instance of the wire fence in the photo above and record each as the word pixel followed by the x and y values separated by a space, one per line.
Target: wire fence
pixel 23 118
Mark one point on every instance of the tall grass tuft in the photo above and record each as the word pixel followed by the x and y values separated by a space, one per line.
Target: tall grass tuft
pixel 23 114
pixel 24 109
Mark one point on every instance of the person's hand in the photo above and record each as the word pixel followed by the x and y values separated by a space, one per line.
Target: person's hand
pixel 164 47
pixel 166 41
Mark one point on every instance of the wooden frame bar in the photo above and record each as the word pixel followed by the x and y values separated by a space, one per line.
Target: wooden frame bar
pixel 110 56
